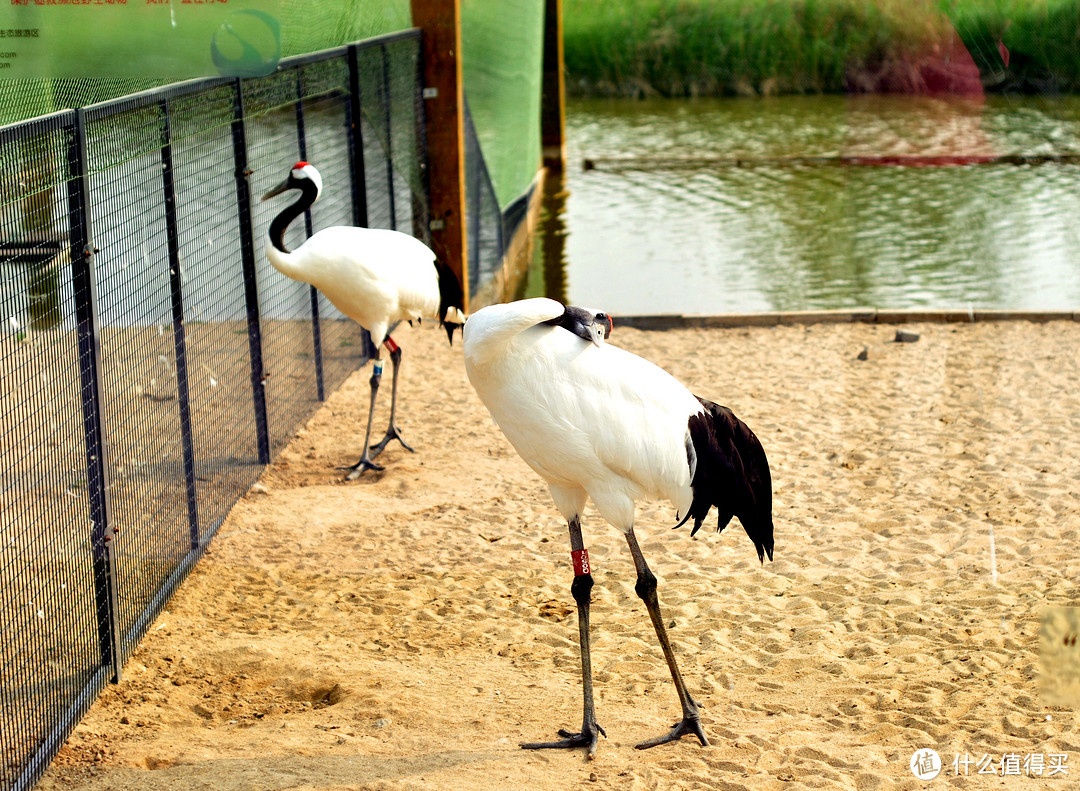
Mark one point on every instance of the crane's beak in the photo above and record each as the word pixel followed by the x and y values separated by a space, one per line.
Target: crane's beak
pixel 450 326
pixel 596 333
pixel 280 188
pixel 455 320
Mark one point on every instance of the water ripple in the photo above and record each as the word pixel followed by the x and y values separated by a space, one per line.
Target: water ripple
pixel 781 235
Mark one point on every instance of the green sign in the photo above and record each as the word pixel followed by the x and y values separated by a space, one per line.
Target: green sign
pixel 172 39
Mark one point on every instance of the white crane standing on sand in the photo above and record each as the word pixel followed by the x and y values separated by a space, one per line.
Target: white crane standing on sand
pixel 375 277
pixel 596 421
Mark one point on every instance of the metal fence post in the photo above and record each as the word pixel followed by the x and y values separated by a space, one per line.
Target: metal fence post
pixel 356 143
pixel 251 286
pixel 389 138
pixel 420 204
pixel 316 327
pixel 97 468
pixel 179 334
pixel 356 164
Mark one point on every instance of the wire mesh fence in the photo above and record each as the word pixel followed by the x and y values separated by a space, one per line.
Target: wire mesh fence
pixel 486 224
pixel 151 361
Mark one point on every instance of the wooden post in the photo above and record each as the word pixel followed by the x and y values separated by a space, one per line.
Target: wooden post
pixel 553 90
pixel 444 104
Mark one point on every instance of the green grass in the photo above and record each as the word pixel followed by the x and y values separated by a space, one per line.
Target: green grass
pixel 1042 36
pixel 717 47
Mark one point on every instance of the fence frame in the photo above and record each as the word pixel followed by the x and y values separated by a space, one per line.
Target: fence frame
pixel 88 329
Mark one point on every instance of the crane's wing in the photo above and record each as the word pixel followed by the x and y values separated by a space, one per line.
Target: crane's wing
pixel 598 416
pixel 371 273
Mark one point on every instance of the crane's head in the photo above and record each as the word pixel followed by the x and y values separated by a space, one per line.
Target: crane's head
pixel 303 176
pixel 451 300
pixel 589 325
pixel 601 327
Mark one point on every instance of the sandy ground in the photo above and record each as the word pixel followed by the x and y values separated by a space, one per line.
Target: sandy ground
pixel 407 631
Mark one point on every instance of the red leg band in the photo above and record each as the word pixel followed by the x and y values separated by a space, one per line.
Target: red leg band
pixel 581 562
pixel 390 345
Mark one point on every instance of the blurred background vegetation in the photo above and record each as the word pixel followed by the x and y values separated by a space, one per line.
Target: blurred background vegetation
pixel 724 47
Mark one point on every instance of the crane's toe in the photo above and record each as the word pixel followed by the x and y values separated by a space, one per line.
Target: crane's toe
pixel 587 737
pixel 392 433
pixel 687 725
pixel 361 467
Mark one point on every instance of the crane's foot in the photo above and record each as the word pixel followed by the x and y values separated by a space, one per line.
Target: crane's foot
pixel 588 737
pixel 361 467
pixel 688 725
pixel 392 433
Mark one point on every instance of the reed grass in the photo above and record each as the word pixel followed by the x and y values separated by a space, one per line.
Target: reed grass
pixel 717 47
pixel 1042 37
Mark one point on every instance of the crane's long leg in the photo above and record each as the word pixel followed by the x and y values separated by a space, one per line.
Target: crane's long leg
pixel 365 462
pixel 646 589
pixel 393 432
pixel 581 589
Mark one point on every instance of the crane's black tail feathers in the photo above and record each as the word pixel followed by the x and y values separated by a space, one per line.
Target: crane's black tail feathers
pixel 731 472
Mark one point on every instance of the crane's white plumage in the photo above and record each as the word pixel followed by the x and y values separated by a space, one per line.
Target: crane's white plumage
pixel 589 419
pixel 598 422
pixel 375 277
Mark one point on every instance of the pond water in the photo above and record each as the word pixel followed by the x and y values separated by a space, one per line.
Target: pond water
pixel 811 202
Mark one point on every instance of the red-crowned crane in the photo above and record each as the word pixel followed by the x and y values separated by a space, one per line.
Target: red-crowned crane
pixel 595 421
pixel 375 277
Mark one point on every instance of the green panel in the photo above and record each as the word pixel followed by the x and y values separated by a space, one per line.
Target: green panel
pixel 305 26
pixel 502 58
pixel 152 38
pixel 311 25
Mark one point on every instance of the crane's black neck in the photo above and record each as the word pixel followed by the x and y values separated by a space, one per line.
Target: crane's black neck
pixel 308 193
pixel 451 295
